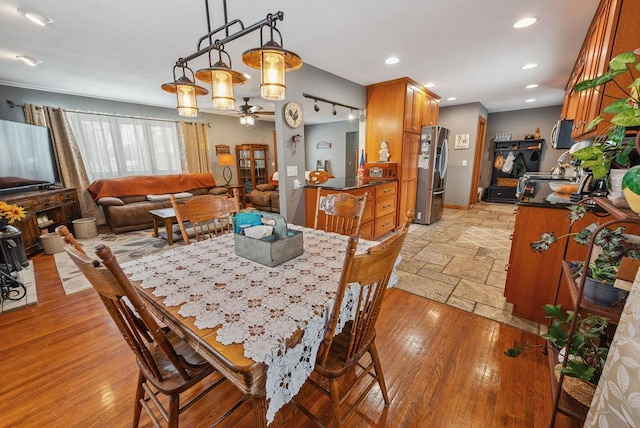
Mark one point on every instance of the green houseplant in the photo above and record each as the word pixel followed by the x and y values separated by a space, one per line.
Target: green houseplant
pixel 589 345
pixel 613 245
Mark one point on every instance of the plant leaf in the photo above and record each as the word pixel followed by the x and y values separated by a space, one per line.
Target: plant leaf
pixel 618 106
pixel 627 118
pixel 585 84
pixel 620 62
pixel 588 153
pixel 593 123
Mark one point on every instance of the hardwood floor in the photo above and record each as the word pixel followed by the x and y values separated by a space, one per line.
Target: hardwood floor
pixel 64 364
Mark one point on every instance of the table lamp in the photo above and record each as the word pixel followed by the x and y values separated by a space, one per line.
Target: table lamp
pixel 226 160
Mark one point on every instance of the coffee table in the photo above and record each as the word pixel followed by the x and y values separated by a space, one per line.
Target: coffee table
pixel 167 216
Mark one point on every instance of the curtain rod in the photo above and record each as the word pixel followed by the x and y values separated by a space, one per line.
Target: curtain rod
pixel 334 103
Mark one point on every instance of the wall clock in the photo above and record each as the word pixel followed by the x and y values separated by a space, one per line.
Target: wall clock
pixel 293 114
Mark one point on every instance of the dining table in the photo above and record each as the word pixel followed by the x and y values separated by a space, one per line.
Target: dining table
pixel 259 326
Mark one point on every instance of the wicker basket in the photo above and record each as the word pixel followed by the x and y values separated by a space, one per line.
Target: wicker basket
pixel 578 389
pixel 507 182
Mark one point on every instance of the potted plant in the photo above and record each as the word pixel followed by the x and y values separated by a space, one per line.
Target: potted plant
pixel 10 213
pixel 624 113
pixel 612 244
pixel 589 345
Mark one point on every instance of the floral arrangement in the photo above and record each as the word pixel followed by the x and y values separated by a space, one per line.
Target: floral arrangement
pixel 11 212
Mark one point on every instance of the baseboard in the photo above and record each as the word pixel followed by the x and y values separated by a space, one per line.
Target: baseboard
pixel 457 207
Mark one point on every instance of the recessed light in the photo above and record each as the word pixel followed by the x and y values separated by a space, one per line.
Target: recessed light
pixel 391 60
pixel 451 99
pixel 531 86
pixel 528 66
pixel 530 100
pixel 525 22
pixel 29 60
pixel 35 17
pixel 429 85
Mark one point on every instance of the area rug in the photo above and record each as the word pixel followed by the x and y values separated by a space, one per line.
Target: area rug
pixel 26 276
pixel 125 246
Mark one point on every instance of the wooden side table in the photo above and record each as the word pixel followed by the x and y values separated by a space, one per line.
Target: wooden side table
pixel 167 216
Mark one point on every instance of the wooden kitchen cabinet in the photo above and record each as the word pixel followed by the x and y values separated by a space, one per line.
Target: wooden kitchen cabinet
pixel 532 277
pixel 60 206
pixel 396 112
pixel 613 31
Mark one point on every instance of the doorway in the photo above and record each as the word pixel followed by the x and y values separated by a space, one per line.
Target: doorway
pixel 351 154
pixel 477 160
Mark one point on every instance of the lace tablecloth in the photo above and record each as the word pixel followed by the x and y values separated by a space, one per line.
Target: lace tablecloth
pixel 256 305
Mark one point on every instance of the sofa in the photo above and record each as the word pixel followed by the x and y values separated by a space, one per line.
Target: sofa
pixel 265 197
pixel 126 201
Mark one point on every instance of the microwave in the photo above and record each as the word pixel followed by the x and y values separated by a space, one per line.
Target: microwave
pixel 561 134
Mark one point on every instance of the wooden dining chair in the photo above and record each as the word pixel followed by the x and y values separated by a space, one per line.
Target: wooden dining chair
pixel 341 354
pixel 66 235
pixel 342 212
pixel 207 215
pixel 168 365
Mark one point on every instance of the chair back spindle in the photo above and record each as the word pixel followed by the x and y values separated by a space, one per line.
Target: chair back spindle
pixel 342 212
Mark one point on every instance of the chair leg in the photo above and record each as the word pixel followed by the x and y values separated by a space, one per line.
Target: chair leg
pixel 378 368
pixel 335 402
pixel 137 409
pixel 174 410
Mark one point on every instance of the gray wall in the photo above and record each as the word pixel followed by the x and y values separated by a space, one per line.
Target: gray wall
pixel 222 130
pixel 317 82
pixel 461 119
pixel 334 133
pixel 519 123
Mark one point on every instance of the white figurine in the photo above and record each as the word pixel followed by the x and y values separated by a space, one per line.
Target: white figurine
pixel 384 151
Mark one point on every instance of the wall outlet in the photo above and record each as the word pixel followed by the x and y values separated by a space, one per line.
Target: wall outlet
pixel 292 171
pixel 297 184
pixel 418 215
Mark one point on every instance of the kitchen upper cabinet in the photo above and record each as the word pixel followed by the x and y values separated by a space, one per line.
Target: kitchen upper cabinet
pixel 396 111
pixel 413 109
pixel 613 31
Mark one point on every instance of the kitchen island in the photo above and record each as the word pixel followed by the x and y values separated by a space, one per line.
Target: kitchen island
pixel 379 216
pixel 532 276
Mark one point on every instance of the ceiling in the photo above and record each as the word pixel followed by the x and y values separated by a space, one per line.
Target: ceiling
pixel 124 50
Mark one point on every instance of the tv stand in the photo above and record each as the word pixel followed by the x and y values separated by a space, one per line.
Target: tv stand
pixel 59 205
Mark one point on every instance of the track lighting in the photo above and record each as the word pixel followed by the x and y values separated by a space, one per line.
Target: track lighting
pixel 334 112
pixel 316 107
pixel 317 99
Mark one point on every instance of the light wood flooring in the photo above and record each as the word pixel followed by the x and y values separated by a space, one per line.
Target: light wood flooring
pixel 64 364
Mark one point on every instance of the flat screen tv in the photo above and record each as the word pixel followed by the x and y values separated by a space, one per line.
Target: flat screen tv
pixel 27 157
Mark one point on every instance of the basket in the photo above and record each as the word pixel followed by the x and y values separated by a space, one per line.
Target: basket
pixel 507 182
pixel 578 389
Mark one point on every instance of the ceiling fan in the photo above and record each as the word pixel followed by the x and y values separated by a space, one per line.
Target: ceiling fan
pixel 250 112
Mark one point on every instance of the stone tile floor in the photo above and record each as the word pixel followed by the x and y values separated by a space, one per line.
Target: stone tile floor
pixel 461 260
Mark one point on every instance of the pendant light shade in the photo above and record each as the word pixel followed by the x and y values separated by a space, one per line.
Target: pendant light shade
pixel 186 92
pixel 272 61
pixel 222 78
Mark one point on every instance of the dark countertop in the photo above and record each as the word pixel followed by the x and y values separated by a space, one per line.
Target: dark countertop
pixel 539 194
pixel 341 183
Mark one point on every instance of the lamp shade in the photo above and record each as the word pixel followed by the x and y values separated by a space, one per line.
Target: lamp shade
pixel 186 92
pixel 225 160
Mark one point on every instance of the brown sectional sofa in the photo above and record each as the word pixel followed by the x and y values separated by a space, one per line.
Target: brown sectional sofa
pixel 126 201
pixel 265 197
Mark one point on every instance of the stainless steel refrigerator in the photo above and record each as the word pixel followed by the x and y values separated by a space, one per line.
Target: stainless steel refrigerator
pixel 432 169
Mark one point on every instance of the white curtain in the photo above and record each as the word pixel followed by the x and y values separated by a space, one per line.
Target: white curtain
pixel 114 146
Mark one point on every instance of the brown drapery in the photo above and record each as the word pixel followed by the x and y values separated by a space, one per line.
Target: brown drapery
pixel 196 147
pixel 72 170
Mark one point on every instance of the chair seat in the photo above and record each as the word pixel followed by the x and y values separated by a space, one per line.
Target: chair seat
pixel 172 380
pixel 336 365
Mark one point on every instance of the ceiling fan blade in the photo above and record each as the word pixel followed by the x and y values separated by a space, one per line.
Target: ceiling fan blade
pixel 254 109
pixel 266 113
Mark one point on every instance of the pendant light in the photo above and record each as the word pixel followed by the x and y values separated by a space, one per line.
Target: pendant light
pixel 222 78
pixel 186 92
pixel 272 61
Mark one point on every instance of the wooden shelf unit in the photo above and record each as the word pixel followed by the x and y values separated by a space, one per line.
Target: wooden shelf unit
pixel 531 152
pixel 562 402
pixel 253 165
pixel 61 207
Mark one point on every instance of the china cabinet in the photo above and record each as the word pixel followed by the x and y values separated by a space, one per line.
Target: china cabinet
pixel 252 162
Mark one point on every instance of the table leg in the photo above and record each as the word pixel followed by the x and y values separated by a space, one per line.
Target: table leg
pixel 155 227
pixel 168 227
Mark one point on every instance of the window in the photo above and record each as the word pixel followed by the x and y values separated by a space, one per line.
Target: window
pixel 113 146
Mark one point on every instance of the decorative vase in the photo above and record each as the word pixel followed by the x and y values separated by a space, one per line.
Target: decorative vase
pixel 604 294
pixel 631 188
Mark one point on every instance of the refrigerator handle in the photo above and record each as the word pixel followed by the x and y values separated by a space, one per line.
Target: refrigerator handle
pixel 438 192
pixel 444 158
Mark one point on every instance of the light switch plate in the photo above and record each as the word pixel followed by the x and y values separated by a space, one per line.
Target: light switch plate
pixel 292 171
pixel 464 162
